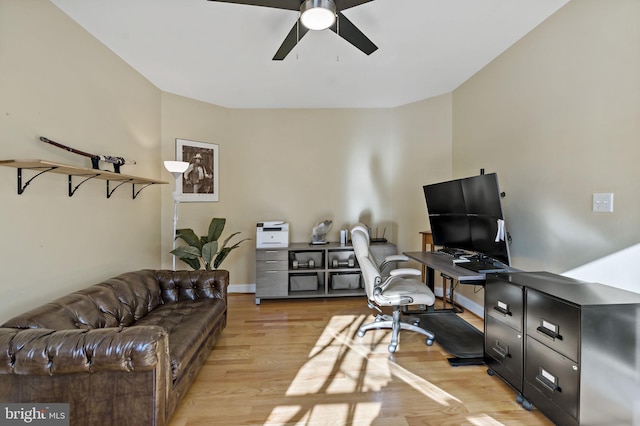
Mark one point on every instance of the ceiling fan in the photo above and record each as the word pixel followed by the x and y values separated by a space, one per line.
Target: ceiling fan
pixel 316 15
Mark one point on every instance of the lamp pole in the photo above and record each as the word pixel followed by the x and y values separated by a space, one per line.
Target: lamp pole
pixel 176 168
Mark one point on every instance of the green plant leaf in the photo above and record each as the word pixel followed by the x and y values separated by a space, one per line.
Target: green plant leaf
pixel 230 237
pixel 186 252
pixel 224 251
pixel 189 237
pixel 194 263
pixel 215 228
pixel 208 251
pixel 205 250
pixel 221 256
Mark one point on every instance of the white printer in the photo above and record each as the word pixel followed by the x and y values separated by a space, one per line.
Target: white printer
pixel 272 234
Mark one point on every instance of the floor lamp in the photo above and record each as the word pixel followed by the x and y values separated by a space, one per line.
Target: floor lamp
pixel 176 168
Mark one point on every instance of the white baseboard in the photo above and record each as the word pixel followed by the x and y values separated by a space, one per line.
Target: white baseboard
pixel 241 288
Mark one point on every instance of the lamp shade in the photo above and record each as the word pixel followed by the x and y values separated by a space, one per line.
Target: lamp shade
pixel 176 166
pixel 318 14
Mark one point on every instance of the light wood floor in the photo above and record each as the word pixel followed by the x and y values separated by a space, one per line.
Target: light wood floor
pixel 299 362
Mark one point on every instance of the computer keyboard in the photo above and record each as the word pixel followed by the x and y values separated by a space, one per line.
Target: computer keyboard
pixel 452 251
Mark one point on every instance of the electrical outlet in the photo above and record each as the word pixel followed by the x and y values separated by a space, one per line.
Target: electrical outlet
pixel 603 202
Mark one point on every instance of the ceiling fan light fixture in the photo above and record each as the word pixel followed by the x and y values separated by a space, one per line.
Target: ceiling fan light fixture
pixel 318 14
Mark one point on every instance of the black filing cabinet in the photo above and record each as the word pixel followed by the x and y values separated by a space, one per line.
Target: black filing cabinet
pixel 504 331
pixel 580 359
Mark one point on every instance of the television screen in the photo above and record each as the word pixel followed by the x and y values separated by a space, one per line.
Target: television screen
pixel 464 214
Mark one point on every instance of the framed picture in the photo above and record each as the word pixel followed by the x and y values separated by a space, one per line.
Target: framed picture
pixel 200 181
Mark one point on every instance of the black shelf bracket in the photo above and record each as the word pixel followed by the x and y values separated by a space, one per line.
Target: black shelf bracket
pixel 72 189
pixel 116 187
pixel 135 193
pixel 21 187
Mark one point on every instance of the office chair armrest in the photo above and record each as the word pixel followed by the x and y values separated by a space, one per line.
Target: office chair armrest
pixel 395 275
pixel 394 258
pixel 405 272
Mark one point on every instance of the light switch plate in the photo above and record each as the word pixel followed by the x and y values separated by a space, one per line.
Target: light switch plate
pixel 603 202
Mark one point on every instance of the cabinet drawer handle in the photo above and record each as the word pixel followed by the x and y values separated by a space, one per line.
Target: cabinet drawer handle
pixel 549 333
pixel 272 272
pixel 548 380
pixel 550 330
pixel 502 311
pixel 502 307
pixel 501 352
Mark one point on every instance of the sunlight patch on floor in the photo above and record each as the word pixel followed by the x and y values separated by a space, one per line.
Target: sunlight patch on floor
pixel 363 413
pixel 341 363
pixel 423 386
pixel 484 420
pixel 338 365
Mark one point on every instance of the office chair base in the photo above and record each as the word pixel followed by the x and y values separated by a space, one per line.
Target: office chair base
pixel 395 325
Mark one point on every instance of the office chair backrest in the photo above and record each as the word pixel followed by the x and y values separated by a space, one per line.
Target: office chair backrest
pixel 368 267
pixel 370 275
pixel 361 228
pixel 360 241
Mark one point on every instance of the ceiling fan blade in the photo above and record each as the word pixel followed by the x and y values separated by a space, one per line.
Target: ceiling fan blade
pixel 278 4
pixel 295 35
pixel 345 29
pixel 346 4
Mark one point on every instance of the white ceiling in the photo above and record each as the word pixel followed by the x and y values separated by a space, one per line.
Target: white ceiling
pixel 221 53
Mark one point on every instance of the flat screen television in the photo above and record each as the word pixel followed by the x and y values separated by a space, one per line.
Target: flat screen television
pixel 464 214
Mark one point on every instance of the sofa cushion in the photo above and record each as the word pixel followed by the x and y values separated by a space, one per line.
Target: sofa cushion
pixel 189 323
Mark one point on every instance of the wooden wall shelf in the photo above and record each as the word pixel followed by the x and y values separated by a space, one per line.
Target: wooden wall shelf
pixel 82 173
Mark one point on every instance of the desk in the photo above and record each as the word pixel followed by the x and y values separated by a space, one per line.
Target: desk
pixel 432 261
pixel 427 240
pixel 442 262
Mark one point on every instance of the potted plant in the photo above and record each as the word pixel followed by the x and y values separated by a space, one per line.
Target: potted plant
pixel 205 250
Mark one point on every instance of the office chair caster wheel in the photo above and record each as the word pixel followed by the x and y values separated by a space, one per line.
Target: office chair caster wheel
pixel 360 333
pixel 429 342
pixel 392 348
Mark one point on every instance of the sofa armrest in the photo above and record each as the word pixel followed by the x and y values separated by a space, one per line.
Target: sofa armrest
pixel 54 352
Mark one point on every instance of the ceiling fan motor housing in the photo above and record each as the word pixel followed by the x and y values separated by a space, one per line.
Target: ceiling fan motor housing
pixel 318 14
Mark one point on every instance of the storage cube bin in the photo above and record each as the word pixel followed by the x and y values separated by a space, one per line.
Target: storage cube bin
pixel 303 282
pixel 345 281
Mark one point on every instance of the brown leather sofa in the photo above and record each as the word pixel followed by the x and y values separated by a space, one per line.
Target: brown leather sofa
pixel 122 352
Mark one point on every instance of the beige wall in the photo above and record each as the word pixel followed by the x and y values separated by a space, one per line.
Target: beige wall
pixel 304 166
pixel 557 116
pixel 59 82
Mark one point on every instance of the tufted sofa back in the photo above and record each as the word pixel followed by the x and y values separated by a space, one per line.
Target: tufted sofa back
pixel 119 301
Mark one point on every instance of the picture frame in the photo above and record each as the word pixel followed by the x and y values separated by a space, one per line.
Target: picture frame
pixel 200 182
